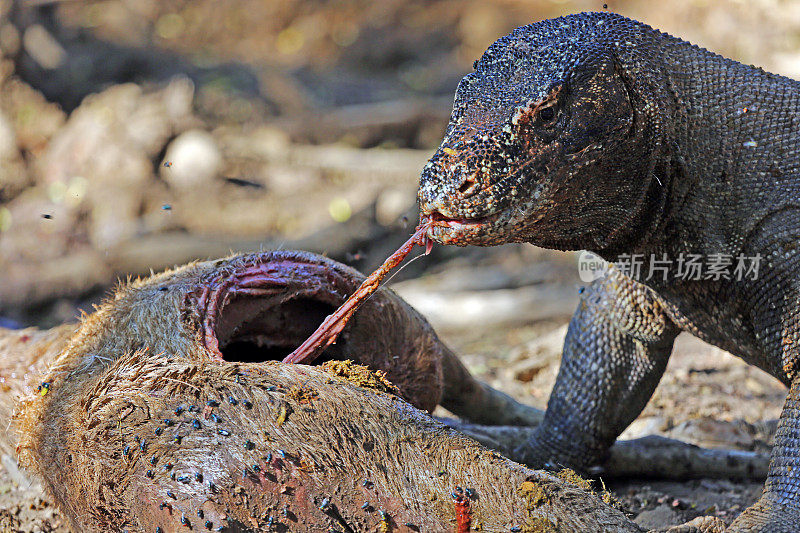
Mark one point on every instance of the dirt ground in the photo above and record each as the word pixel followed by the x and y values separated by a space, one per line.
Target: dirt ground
pixel 175 130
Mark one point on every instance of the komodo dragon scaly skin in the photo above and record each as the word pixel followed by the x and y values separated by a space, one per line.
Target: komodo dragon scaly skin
pixel 597 132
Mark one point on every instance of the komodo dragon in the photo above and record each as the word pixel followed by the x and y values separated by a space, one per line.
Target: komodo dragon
pixel 597 132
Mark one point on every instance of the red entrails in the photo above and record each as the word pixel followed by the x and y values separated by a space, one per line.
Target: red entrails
pixel 326 333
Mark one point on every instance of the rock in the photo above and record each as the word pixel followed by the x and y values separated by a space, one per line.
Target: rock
pixel 9 40
pixel 661 516
pixel 193 161
pixel 34 120
pixel 29 236
pixel 704 524
pixel 643 426
pixel 177 99
pixel 43 47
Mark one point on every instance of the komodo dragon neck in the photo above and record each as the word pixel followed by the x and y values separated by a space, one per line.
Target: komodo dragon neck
pixel 732 137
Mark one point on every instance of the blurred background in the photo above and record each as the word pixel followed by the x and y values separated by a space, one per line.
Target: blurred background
pixel 141 134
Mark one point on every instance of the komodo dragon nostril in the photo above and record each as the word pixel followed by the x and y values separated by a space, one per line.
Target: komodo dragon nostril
pixel 468 185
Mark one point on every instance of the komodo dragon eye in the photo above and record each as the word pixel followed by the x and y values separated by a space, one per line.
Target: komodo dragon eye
pixel 547 114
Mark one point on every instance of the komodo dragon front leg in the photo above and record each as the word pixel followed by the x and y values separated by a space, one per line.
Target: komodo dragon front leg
pixel 616 350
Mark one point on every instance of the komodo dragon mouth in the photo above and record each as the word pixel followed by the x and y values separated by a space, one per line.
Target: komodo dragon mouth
pixel 460 224
pixel 462 230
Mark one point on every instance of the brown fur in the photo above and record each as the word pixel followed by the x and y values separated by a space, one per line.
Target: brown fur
pixel 25 356
pixel 145 426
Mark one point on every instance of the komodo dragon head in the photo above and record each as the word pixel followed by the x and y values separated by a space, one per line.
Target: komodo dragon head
pixel 554 139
